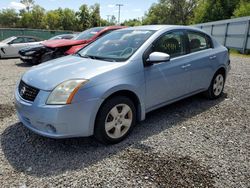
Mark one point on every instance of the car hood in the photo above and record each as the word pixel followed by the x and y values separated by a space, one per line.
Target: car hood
pixel 48 75
pixel 75 49
pixel 31 48
pixel 2 44
pixel 63 42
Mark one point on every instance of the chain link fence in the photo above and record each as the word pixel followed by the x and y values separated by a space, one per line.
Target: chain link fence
pixel 42 34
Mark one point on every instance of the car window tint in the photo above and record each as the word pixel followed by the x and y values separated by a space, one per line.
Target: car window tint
pixel 30 40
pixel 171 43
pixel 105 33
pixel 118 45
pixel 18 40
pixel 85 35
pixel 198 41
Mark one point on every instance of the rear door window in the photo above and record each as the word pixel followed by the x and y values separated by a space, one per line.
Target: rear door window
pixel 198 41
pixel 31 40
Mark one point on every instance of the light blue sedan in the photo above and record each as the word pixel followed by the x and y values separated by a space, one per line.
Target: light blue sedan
pixel 108 86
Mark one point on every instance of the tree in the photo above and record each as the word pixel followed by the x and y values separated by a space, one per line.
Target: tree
pixel 171 12
pixel 37 17
pixel 52 20
pixel 95 15
pixel 8 18
pixel 213 10
pixel 243 9
pixel 83 16
pixel 68 19
pixel 132 22
pixel 28 4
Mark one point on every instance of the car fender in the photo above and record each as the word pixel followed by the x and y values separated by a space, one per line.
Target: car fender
pixel 130 88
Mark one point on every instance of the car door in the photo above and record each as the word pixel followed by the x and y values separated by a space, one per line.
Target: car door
pixel 169 80
pixel 14 46
pixel 202 57
pixel 31 41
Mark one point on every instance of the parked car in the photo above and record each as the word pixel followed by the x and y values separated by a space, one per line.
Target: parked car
pixel 52 49
pixel 113 82
pixel 9 47
pixel 63 36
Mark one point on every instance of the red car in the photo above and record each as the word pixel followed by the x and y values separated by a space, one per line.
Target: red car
pixel 52 49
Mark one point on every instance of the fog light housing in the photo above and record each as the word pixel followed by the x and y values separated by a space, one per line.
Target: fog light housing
pixel 50 128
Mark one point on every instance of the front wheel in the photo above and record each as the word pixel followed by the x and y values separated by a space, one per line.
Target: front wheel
pixel 115 120
pixel 216 87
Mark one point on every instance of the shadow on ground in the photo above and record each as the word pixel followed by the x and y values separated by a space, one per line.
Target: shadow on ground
pixel 22 64
pixel 38 156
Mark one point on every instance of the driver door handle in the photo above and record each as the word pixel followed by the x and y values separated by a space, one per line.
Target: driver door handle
pixel 186 66
pixel 212 57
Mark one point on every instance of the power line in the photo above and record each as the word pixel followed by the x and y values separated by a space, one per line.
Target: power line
pixel 119 12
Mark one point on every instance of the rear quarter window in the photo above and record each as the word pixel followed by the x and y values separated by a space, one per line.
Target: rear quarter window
pixel 198 41
pixel 31 40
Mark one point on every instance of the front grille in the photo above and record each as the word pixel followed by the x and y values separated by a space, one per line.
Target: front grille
pixel 27 92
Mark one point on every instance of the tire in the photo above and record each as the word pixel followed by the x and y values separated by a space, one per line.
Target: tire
pixel 115 120
pixel 216 87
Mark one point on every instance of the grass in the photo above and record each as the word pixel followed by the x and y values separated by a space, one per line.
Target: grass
pixel 237 53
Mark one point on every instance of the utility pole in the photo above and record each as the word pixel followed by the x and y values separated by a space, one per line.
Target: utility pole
pixel 119 12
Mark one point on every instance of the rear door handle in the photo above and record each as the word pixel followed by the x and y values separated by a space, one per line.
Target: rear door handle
pixel 212 57
pixel 186 66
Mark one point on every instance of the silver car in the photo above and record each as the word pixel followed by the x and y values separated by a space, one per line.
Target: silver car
pixel 9 47
pixel 107 87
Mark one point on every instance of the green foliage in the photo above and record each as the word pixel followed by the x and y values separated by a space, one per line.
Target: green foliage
pixel 8 18
pixel 52 20
pixel 95 15
pixel 37 15
pixel 213 10
pixel 132 22
pixel 171 12
pixel 83 16
pixel 63 19
pixel 68 19
pixel 243 9
pixel 182 12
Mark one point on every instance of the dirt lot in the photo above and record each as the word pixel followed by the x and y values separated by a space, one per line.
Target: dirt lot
pixel 192 143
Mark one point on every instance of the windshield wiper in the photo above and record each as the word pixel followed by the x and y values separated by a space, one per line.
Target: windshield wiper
pixel 96 57
pixel 86 56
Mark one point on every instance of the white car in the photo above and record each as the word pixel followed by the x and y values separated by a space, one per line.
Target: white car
pixel 9 47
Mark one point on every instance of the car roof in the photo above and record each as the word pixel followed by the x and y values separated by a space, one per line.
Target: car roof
pixel 28 37
pixel 162 27
pixel 25 36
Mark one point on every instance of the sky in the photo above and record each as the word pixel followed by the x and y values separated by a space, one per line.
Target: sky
pixel 130 9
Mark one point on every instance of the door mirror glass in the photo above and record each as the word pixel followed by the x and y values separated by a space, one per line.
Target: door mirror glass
pixel 158 57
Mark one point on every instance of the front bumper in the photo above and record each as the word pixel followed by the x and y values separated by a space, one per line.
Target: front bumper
pixel 57 121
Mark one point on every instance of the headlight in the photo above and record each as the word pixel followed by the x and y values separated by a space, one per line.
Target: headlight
pixel 30 52
pixel 64 92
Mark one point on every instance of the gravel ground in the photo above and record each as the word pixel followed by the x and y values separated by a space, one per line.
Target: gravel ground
pixel 192 143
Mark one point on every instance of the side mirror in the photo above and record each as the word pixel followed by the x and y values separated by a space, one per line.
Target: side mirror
pixel 158 57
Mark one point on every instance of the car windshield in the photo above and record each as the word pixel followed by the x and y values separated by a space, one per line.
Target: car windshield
pixel 8 40
pixel 85 35
pixel 116 46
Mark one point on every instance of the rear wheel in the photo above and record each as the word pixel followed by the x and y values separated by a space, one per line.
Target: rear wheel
pixel 217 86
pixel 115 120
